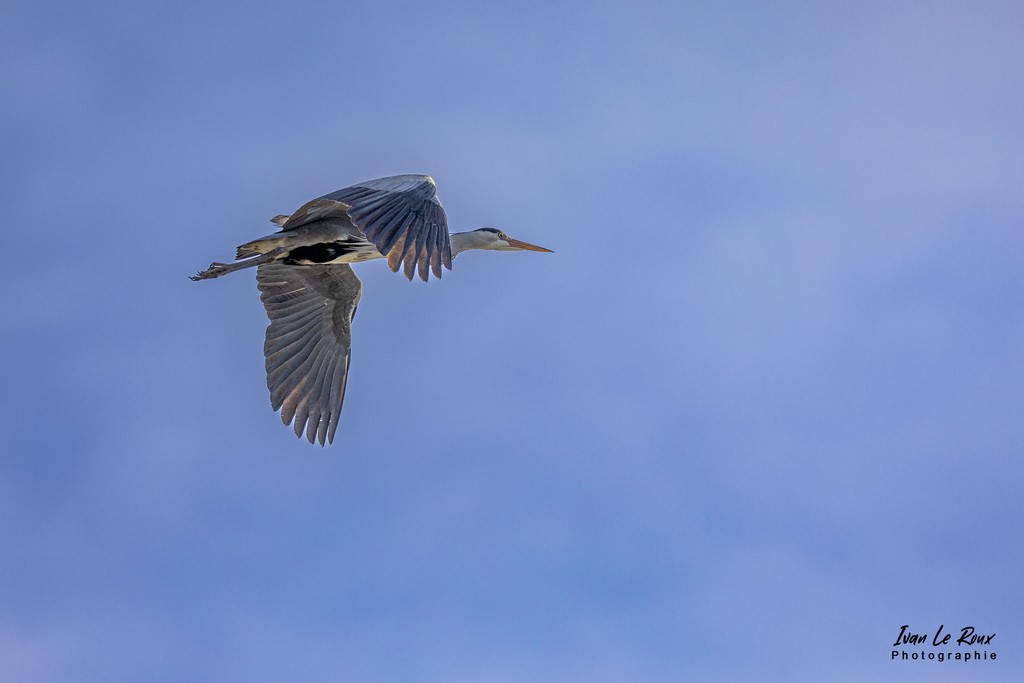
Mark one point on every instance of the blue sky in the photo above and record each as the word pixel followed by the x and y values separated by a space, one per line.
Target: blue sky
pixel 760 408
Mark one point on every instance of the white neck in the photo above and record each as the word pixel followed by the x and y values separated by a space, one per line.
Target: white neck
pixel 464 241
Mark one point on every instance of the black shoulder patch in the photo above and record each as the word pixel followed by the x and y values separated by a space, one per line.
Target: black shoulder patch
pixel 325 252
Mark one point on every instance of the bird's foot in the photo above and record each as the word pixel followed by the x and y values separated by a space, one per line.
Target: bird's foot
pixel 215 270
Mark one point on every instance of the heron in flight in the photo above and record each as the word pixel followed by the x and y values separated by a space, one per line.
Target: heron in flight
pixel 310 292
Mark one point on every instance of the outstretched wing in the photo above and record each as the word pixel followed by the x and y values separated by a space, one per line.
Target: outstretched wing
pixel 401 215
pixel 309 342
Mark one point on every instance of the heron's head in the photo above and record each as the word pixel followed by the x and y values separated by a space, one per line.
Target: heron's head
pixel 497 240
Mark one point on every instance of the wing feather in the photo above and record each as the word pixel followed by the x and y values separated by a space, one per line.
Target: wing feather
pixel 283 358
pixel 309 409
pixel 395 227
pixel 316 372
pixel 290 381
pixel 309 342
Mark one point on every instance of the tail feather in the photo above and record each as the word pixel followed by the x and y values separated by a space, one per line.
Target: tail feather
pixel 262 245
pixel 245 251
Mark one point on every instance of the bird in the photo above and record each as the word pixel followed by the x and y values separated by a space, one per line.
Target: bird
pixel 311 293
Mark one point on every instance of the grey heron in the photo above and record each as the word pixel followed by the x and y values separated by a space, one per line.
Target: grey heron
pixel 311 293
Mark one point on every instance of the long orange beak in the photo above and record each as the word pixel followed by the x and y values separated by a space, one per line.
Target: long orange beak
pixel 526 245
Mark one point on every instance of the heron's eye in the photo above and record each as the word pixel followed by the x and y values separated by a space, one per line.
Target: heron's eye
pixel 502 236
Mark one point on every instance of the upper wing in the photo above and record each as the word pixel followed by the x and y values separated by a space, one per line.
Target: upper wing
pixel 315 210
pixel 309 342
pixel 401 215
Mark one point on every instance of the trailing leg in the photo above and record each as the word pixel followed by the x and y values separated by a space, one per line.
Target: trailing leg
pixel 217 269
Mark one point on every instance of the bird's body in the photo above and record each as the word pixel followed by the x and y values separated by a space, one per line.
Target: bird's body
pixel 323 242
pixel 310 292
